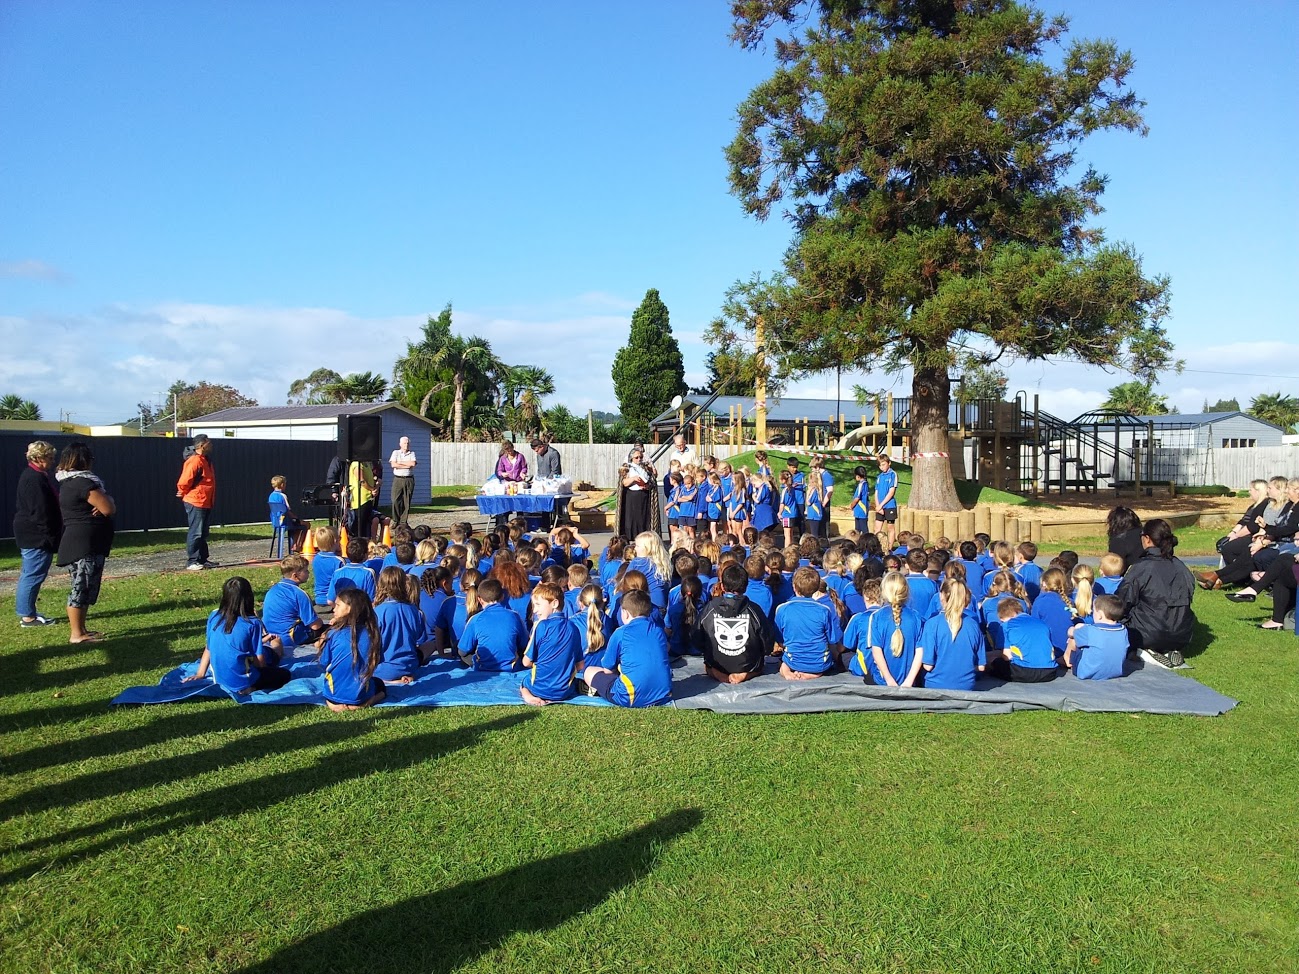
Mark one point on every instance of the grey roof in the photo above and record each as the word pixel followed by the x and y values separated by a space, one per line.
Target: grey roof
pixel 1185 420
pixel 285 414
pixel 778 410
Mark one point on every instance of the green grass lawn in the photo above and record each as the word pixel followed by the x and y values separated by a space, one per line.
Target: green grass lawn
pixel 1190 541
pixel 151 542
pixel 214 837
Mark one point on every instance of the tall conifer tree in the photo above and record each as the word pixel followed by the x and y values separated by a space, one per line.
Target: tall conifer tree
pixel 649 370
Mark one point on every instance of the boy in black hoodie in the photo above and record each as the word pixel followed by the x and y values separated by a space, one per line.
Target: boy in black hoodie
pixel 732 632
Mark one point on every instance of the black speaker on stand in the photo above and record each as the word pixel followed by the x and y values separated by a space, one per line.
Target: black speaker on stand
pixel 360 438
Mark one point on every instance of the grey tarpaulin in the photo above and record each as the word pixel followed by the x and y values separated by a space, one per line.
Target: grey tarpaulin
pixel 1143 689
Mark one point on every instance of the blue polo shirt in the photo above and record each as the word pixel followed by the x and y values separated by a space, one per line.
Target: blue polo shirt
pixel 352 576
pixel 401 630
pixel 1099 650
pixel 555 654
pixel 760 594
pixel 495 638
pixel 1031 575
pixel 452 618
pixel 658 592
pixel 861 502
pixel 880 635
pixel 638 653
pixel 924 595
pixel 1028 641
pixel 991 624
pixel 323 566
pixel 952 662
pixel 343 683
pixel 1050 608
pixel 285 607
pixel 886 481
pixel 807 628
pixel 231 654
pixel 856 640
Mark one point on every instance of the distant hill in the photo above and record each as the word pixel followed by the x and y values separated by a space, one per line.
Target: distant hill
pixel 606 418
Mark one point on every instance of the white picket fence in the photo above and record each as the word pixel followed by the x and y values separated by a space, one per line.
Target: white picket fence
pixel 1232 468
pixel 595 463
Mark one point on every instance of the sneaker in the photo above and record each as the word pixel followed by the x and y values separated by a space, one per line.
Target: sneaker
pixel 35 622
pixel 211 564
pixel 1160 659
pixel 195 567
pixel 1175 659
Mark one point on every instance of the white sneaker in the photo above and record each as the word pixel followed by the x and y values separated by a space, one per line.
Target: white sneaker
pixel 195 567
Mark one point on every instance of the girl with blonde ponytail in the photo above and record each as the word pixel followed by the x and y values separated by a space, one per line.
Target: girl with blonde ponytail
pixel 952 650
pixel 1083 578
pixel 593 622
pixel 893 637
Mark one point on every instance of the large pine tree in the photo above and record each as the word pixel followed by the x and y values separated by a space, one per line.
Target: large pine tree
pixel 649 370
pixel 925 152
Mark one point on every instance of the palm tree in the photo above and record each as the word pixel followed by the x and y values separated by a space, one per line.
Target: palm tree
pixel 1137 398
pixel 1271 407
pixel 358 387
pixel 525 385
pixel 468 360
pixel 16 407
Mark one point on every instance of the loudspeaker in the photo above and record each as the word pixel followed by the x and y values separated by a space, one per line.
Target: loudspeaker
pixel 360 438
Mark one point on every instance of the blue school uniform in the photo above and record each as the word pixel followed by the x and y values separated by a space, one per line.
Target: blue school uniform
pixel 738 508
pixel 401 630
pixel 688 505
pixel 856 640
pixel 678 631
pixel 430 607
pixel 885 482
pixel 956 660
pixel 375 565
pixel 638 653
pixel 880 635
pixel 1028 641
pixel 713 500
pixel 759 593
pixel 853 602
pixel 924 595
pixel 495 638
pixel 674 596
pixel 343 683
pixel 352 576
pixel 807 628
pixel 763 514
pixel 827 488
pixel 323 566
pixel 521 606
pixel 555 652
pixel 1031 575
pixel 840 585
pixel 593 657
pixel 815 507
pixel 728 485
pixel 658 592
pixel 1099 650
pixel 1050 608
pixel 288 612
pixel 389 561
pixel 986 561
pixel 452 618
pixel 800 496
pixel 570 605
pixel 1106 584
pixel 783 592
pixel 608 569
pixel 788 504
pixel 673 507
pixel 231 654
pixel 861 505
pixel 991 624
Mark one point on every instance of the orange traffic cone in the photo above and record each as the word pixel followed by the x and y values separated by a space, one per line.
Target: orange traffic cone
pixel 309 544
pixel 387 534
pixel 342 538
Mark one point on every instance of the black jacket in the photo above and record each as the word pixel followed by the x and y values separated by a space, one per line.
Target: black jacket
pixel 1287 523
pixel 1127 544
pixel 38 522
pixel 1156 594
pixel 733 635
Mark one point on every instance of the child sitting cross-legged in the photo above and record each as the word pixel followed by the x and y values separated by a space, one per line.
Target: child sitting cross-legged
pixel 952 648
pixel 350 652
pixel 893 637
pixel 634 671
pixel 401 627
pixel 242 656
pixel 287 611
pixel 1027 656
pixel 554 651
pixel 494 638
pixel 808 630
pixel 1097 649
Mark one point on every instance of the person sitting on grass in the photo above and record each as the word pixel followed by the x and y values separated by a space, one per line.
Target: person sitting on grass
pixel 634 671
pixel 1054 607
pixel 554 651
pixel 401 627
pixel 952 650
pixel 494 639
pixel 807 630
pixel 354 574
pixel 1027 656
pixel 1027 569
pixel 287 611
pixel 893 637
pixel 455 613
pixel 1002 585
pixel 241 654
pixel 593 623
pixel 1111 567
pixel 733 632
pixel 350 652
pixel 683 614
pixel 325 563
pixel 1096 650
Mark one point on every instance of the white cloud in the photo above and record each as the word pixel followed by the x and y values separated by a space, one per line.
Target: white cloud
pixel 35 270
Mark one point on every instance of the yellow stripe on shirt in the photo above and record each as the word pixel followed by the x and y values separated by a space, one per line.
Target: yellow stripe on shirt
pixel 631 690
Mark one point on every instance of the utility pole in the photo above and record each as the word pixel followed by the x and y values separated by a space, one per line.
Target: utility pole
pixel 760 385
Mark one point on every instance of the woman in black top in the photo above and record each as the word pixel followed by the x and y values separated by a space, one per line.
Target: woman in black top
pixel 87 535
pixel 1124 530
pixel 37 527
pixel 1156 593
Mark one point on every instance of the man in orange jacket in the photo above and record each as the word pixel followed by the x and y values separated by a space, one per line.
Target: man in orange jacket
pixel 197 488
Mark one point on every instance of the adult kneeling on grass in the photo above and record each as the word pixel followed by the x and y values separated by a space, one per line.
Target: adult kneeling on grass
pixel 1156 594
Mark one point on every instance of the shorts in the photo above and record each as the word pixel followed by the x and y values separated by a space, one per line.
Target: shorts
pixel 602 683
pixel 86 574
pixel 686 522
pixel 887 514
pixel 674 522
pixel 786 522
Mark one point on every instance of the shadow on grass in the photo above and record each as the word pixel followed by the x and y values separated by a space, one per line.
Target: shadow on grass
pixel 442 931
pixel 1201 636
pixel 167 726
pixel 330 769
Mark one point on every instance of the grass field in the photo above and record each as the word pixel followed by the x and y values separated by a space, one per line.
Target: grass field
pixel 213 837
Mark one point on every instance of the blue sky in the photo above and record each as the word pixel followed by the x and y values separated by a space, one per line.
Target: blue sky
pixel 244 191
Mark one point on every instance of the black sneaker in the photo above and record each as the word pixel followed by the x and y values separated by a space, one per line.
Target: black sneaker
pixel 1175 659
pixel 211 564
pixel 36 622
pixel 1158 659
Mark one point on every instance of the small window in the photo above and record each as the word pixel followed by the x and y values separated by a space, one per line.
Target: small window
pixel 1251 443
pixel 230 432
pixel 1224 443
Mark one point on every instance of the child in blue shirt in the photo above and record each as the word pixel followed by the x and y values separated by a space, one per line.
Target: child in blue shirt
pixel 287 611
pixel 808 630
pixel 1096 651
pixel 1054 607
pixel 354 574
pixel 952 650
pixel 1028 656
pixel 1029 573
pixel 494 639
pixel 713 495
pixel 635 671
pixel 1003 585
pixel 401 628
pixel 814 510
pixel 856 635
pixel 324 563
pixel 1111 567
pixel 788 506
pixel 738 508
pixel 456 612
pixel 764 515
pixel 241 655
pixel 861 501
pixel 687 505
pixel 923 589
pixel 593 623
pixel 434 590
pixel 350 652
pixel 894 638
pixel 682 615
pixel 672 509
pixel 554 651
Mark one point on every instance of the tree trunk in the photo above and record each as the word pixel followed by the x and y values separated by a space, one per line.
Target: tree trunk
pixel 932 487
pixel 458 409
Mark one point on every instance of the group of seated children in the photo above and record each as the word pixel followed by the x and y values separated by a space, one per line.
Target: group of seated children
pixel 921 615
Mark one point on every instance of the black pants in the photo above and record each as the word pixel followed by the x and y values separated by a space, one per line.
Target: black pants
pixel 1237 561
pixel 1003 669
pixel 1280 576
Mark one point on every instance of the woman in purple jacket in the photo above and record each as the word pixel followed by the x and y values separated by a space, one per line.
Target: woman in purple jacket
pixel 511 468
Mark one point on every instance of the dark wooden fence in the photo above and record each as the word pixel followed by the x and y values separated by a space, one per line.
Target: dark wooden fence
pixel 141 474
